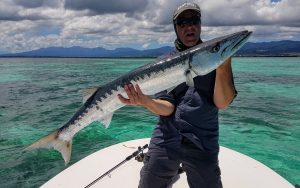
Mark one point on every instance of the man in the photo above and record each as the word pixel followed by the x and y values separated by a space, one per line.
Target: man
pixel 187 130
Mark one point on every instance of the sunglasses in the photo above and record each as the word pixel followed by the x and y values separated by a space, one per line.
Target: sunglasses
pixel 182 22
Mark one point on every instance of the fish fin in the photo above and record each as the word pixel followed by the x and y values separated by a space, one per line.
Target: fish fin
pixel 106 120
pixel 189 78
pixel 88 92
pixel 189 73
pixel 53 141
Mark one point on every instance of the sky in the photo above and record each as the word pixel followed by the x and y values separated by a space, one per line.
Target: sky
pixel 140 24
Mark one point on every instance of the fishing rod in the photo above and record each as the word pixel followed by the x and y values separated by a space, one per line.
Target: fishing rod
pixel 138 156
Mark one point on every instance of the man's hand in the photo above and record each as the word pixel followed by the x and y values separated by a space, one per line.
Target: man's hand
pixel 135 96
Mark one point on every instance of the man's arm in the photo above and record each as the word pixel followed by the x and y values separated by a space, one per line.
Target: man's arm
pixel 224 89
pixel 136 97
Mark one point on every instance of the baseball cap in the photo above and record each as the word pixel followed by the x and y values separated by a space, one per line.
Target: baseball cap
pixel 186 6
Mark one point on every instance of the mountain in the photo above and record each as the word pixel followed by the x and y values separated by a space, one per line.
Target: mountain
pixel 276 48
pixel 77 51
pixel 3 52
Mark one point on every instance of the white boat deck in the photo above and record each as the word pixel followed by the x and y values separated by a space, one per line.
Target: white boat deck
pixel 238 170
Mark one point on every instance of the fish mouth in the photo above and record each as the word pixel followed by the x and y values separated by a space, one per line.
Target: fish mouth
pixel 242 40
pixel 239 40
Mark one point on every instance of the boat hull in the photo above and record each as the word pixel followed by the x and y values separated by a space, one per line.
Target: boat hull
pixel 238 170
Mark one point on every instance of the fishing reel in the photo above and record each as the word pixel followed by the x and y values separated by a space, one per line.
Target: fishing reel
pixel 140 157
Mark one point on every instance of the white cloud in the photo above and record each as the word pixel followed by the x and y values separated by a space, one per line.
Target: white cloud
pixel 27 25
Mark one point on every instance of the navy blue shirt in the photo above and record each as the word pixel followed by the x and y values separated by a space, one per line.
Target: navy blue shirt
pixel 195 117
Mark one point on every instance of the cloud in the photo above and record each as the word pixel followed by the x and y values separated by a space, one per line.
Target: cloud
pixel 105 7
pixel 37 3
pixel 19 10
pixel 249 12
pixel 29 4
pixel 27 25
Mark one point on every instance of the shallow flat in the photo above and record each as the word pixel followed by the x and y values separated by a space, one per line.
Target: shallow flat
pixel 238 170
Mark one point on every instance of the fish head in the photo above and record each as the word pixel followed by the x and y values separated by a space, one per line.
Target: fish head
pixel 209 55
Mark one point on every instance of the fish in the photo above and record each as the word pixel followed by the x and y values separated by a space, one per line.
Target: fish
pixel 165 73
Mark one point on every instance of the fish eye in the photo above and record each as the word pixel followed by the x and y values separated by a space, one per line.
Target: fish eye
pixel 216 48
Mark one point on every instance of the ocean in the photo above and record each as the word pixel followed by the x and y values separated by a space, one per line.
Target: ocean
pixel 38 95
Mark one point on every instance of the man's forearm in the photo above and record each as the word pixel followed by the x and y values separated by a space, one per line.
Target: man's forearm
pixel 224 89
pixel 159 107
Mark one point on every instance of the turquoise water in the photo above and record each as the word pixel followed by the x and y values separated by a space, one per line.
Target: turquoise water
pixel 39 95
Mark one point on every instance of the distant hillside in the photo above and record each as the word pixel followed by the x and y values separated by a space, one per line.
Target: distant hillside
pixel 3 52
pixel 278 48
pixel 91 52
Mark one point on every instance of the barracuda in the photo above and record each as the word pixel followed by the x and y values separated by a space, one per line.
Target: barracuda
pixel 163 74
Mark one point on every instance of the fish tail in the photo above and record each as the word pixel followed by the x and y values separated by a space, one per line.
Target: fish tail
pixel 53 141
